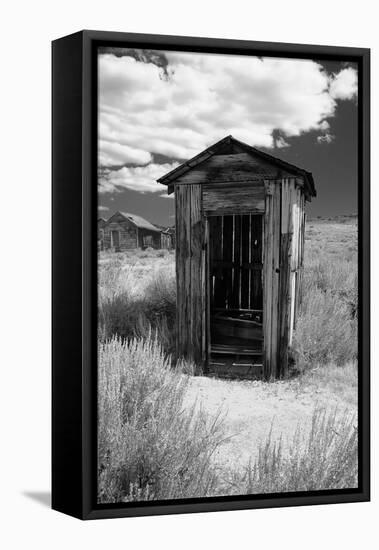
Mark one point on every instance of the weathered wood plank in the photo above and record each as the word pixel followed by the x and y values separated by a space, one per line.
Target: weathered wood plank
pixel 228 257
pixel 180 274
pixel 267 280
pixel 235 302
pixel 256 259
pixel 245 260
pixel 294 255
pixel 233 201
pixel 271 279
pixel 285 274
pixel 215 251
pixel 206 351
pixel 196 254
pixel 275 281
pixel 233 167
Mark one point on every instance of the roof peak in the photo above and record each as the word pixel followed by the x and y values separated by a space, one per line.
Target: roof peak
pixel 231 145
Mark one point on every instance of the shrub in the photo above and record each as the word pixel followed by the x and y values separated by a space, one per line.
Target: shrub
pixel 149 445
pixel 326 326
pixel 128 315
pixel 326 459
pixel 325 331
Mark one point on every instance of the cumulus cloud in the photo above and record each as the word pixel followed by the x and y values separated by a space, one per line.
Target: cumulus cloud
pixel 344 85
pixel 136 178
pixel 116 154
pixel 197 99
pixel 102 208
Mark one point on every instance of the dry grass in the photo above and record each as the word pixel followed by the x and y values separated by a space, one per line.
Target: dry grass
pixel 161 432
pixel 137 295
pixel 324 458
pixel 149 445
pixel 326 329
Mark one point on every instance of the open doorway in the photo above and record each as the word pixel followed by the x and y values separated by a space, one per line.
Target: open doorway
pixel 235 286
pixel 115 240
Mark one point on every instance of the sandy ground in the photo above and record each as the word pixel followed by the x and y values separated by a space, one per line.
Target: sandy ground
pixel 253 407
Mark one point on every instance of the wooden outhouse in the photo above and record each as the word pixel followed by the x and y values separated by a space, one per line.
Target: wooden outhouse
pixel 240 219
pixel 124 231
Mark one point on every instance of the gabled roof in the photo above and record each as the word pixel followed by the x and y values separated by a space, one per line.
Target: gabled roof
pixel 136 220
pixel 230 145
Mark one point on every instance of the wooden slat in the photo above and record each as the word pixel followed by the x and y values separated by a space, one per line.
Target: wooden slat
pixel 196 298
pixel 231 168
pixel 181 253
pixel 275 282
pixel 228 257
pixel 285 274
pixel 245 259
pixel 235 302
pixel 267 280
pixel 207 299
pixel 231 200
pixel 235 350
pixel 256 259
pixel 271 279
pixel 294 256
pixel 215 251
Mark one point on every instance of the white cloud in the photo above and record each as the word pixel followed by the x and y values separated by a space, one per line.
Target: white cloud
pixel 205 98
pixel 116 154
pixel 102 208
pixel 344 85
pixel 137 178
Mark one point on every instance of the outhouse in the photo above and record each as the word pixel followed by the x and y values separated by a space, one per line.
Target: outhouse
pixel 240 220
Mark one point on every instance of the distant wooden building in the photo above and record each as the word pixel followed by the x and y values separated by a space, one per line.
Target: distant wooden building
pixel 168 238
pixel 125 231
pixel 101 222
pixel 240 218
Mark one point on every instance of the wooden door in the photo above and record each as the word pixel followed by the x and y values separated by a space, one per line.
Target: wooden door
pixel 116 239
pixel 235 262
pixel 235 284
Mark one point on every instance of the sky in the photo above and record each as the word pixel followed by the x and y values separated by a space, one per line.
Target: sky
pixel 158 109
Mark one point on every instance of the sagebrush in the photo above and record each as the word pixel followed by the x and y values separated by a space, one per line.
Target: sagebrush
pixel 325 458
pixel 149 445
pixel 327 322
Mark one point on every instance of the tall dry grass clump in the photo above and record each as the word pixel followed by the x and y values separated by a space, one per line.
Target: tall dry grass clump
pixel 128 313
pixel 327 458
pixel 149 445
pixel 326 327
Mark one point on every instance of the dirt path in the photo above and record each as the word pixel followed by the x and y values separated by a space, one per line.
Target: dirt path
pixel 253 407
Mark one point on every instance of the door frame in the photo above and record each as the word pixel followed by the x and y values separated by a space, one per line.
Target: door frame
pixel 119 234
pixel 206 271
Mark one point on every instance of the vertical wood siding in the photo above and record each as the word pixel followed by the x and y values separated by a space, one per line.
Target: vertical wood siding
pixel 283 258
pixel 220 257
pixel 271 279
pixel 190 272
pixel 291 259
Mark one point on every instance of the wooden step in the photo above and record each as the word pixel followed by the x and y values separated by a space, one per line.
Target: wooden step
pixel 234 350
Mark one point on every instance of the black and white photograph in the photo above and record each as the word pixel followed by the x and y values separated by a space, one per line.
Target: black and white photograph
pixel 227 275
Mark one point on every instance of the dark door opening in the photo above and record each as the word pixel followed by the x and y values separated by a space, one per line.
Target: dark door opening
pixel 116 240
pixel 235 285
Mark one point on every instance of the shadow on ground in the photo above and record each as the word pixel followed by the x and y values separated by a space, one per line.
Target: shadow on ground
pixel 41 497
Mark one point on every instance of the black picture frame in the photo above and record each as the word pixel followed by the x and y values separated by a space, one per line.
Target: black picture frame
pixel 74 332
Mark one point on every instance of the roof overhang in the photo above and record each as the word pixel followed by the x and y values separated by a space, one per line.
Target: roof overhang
pixel 169 178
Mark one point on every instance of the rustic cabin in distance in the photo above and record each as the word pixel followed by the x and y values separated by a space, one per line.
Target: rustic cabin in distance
pixel 240 220
pixel 123 231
